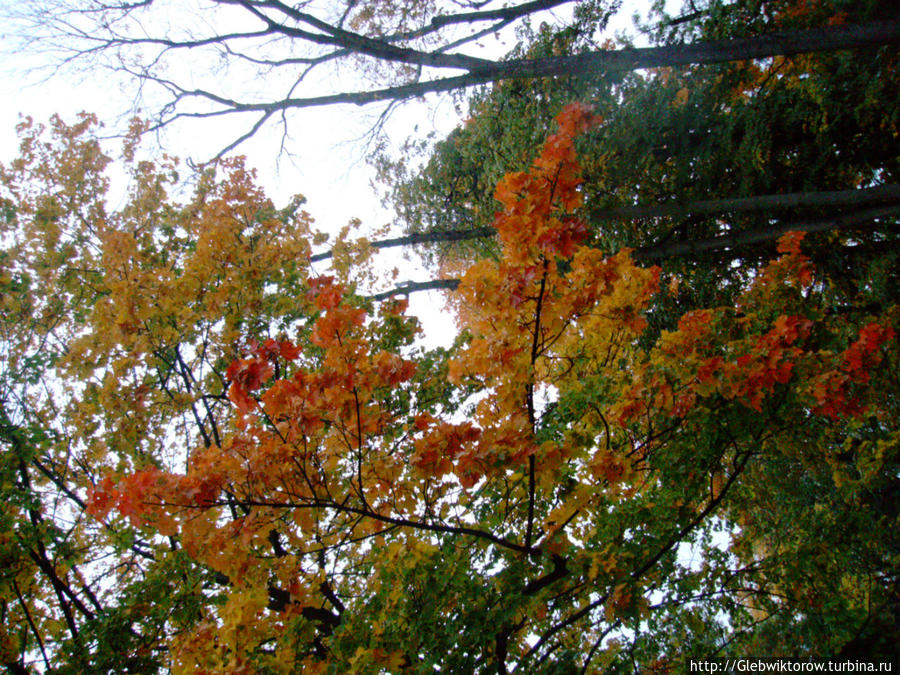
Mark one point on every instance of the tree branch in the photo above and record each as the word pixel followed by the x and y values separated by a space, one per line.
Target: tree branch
pixel 414 286
pixel 420 238
pixel 299 27
pixel 731 241
pixel 888 194
pixel 790 200
pixel 719 51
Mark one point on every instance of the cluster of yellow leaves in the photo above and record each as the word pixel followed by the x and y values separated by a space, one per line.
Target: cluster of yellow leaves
pixel 298 441
pixel 148 304
pixel 176 286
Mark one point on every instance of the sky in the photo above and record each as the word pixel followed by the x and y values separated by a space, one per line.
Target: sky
pixel 326 163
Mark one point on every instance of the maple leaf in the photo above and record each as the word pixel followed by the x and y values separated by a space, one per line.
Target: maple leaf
pixel 789 243
pixel 790 328
pixel 247 375
pixel 324 292
pixel 863 353
pixel 289 351
pixel 101 498
pixel 708 368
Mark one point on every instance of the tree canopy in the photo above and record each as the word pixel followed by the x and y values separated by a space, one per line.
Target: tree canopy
pixel 699 169
pixel 758 142
pixel 563 491
pixel 666 429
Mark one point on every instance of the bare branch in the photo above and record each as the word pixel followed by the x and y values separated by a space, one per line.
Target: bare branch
pixel 420 238
pixel 882 194
pixel 124 32
pixel 414 286
pixel 377 48
pixel 784 44
pixel 735 240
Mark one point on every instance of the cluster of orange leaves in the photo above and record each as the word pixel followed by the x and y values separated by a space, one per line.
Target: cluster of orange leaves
pixel 832 388
pixel 537 229
pixel 536 221
pixel 793 11
pixel 548 300
pixel 751 366
pixel 301 407
pixel 143 496
pixel 249 374
pixel 444 448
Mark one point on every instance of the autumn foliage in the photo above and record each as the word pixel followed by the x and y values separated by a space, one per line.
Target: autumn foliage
pixel 521 502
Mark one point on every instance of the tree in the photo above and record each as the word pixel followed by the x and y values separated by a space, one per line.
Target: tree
pixel 680 148
pixel 616 466
pixel 407 46
pixel 117 327
pixel 699 169
pixel 528 501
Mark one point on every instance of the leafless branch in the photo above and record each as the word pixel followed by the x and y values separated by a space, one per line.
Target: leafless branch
pixel 124 33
